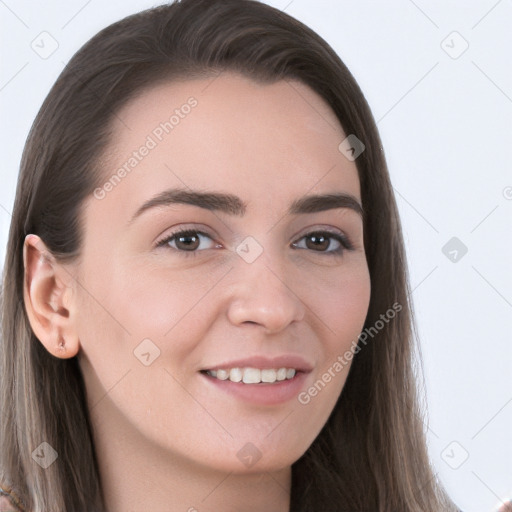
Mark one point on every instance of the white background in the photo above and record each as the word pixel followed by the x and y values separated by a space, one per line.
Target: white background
pixel 446 128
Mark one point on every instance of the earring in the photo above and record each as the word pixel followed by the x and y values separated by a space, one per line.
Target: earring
pixel 62 348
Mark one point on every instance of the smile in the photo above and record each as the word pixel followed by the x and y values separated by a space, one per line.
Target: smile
pixel 253 375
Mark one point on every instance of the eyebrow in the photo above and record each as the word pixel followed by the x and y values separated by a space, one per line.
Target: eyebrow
pixel 233 205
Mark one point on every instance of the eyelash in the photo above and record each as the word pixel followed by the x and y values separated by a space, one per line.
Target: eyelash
pixel 346 244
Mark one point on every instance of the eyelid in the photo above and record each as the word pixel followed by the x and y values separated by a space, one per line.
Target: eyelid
pixel 172 231
pixel 167 238
pixel 343 239
pixel 333 231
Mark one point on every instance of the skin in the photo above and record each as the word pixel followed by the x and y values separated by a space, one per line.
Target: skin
pixel 165 439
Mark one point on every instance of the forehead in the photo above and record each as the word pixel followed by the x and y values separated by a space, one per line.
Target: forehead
pixel 228 133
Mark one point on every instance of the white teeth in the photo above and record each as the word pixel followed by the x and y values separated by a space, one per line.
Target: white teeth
pixel 235 375
pixel 268 375
pixel 253 375
pixel 281 374
pixel 290 373
pixel 220 374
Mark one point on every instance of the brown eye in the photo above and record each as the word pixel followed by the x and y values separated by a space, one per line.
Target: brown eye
pixel 187 240
pixel 321 241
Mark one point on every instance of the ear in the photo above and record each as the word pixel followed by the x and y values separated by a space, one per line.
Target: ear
pixel 48 292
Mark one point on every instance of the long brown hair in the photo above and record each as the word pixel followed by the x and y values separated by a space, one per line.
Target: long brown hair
pixel 372 452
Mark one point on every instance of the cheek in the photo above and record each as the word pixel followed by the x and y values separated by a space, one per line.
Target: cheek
pixel 340 305
pixel 161 302
pixel 341 302
pixel 348 312
pixel 125 312
pixel 132 301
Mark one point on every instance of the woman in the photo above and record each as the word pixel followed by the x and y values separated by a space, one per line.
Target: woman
pixel 205 301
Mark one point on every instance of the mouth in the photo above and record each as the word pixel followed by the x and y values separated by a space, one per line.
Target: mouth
pixel 258 386
pixel 249 375
pixel 259 380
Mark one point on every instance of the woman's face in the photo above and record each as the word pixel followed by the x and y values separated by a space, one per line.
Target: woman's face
pixel 254 284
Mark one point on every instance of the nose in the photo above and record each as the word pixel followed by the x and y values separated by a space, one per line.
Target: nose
pixel 262 295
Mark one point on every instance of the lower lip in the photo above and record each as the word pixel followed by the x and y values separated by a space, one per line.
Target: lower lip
pixel 264 393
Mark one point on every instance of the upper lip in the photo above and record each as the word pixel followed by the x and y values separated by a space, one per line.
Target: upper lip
pixel 262 362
